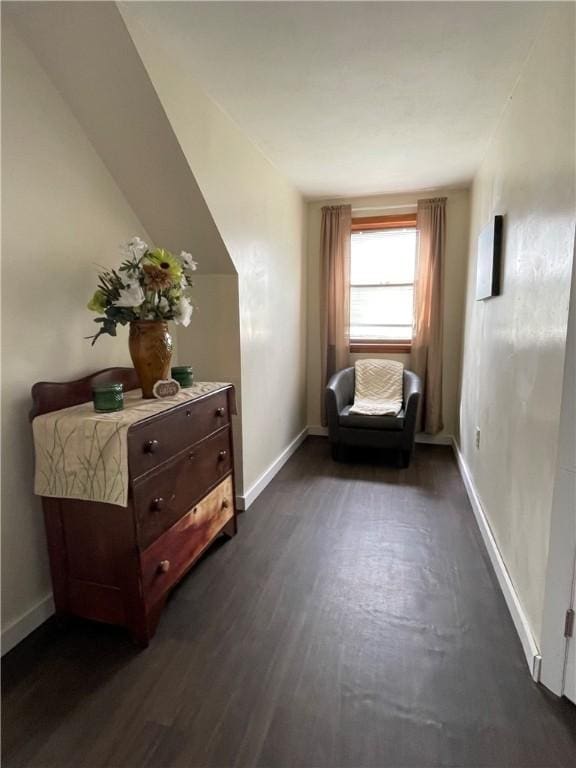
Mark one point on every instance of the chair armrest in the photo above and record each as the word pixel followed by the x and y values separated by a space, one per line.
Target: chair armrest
pixel 339 393
pixel 412 394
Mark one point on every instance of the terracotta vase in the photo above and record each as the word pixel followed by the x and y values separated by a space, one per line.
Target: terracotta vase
pixel 150 346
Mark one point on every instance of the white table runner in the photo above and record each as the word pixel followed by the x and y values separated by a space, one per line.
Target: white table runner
pixel 81 454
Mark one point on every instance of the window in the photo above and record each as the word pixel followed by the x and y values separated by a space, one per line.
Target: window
pixel 383 260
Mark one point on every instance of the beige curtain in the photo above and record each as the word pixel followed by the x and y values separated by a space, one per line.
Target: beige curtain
pixel 335 291
pixel 426 357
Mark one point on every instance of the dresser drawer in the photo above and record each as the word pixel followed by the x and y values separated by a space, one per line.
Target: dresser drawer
pixel 161 498
pixel 166 561
pixel 155 440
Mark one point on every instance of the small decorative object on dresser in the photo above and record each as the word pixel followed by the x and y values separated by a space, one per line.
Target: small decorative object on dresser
pixel 108 397
pixel 150 346
pixel 166 388
pixel 150 287
pixel 184 375
pixel 131 498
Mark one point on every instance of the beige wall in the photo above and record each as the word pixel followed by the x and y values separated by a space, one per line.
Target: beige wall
pixel 261 219
pixel 515 344
pixel 457 217
pixel 211 344
pixel 62 215
pixel 114 101
pixel 560 573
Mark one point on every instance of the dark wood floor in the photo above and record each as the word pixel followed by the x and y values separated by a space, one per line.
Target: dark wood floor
pixel 354 621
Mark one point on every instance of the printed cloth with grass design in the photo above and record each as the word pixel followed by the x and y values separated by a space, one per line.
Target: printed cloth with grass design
pixel 81 454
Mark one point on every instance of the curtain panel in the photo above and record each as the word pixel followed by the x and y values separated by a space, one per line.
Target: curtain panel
pixel 335 294
pixel 426 355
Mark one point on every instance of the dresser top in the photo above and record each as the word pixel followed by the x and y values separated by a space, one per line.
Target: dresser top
pixel 136 408
pixel 83 454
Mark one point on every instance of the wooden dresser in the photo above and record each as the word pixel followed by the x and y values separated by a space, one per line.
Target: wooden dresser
pixel 117 564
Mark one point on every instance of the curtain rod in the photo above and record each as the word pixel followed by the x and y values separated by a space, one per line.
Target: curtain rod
pixel 385 207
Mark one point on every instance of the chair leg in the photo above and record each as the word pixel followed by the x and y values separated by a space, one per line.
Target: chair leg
pixel 335 450
pixel 404 459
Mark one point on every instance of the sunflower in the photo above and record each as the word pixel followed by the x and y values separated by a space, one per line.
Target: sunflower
pixel 156 279
pixel 162 269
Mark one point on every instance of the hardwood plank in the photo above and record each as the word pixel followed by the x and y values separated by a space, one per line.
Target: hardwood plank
pixel 353 621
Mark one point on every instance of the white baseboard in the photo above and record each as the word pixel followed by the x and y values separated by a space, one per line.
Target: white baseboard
pixel 531 650
pixel 27 623
pixel 33 618
pixel 243 502
pixel 37 615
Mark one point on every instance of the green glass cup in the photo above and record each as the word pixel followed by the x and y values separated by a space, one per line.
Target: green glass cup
pixel 108 397
pixel 183 374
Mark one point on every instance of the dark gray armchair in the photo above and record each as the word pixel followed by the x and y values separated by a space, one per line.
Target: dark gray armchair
pixel 353 429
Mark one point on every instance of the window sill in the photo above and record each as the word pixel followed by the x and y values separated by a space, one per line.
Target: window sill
pixel 402 347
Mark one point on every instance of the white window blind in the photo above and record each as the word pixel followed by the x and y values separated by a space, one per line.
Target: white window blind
pixel 382 284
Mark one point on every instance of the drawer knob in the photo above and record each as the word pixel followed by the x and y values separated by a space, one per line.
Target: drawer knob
pixel 158 503
pixel 219 411
pixel 225 504
pixel 163 566
pixel 191 456
pixel 188 412
pixel 222 455
pixel 151 446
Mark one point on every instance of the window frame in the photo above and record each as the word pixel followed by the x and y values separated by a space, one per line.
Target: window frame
pixel 371 224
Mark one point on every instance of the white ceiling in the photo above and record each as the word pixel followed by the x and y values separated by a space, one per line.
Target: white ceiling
pixel 355 98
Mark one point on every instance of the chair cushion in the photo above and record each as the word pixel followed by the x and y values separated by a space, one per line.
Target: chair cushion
pixel 360 421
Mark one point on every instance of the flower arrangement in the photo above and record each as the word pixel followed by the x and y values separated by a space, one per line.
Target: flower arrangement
pixel 150 284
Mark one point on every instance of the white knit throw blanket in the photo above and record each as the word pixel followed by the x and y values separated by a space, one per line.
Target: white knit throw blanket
pixel 378 387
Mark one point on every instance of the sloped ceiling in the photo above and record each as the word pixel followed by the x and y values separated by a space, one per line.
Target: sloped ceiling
pixel 355 98
pixel 89 55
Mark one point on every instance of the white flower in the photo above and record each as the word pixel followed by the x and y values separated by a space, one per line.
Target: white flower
pixel 183 312
pixel 188 262
pixel 135 247
pixel 130 296
pixel 164 304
